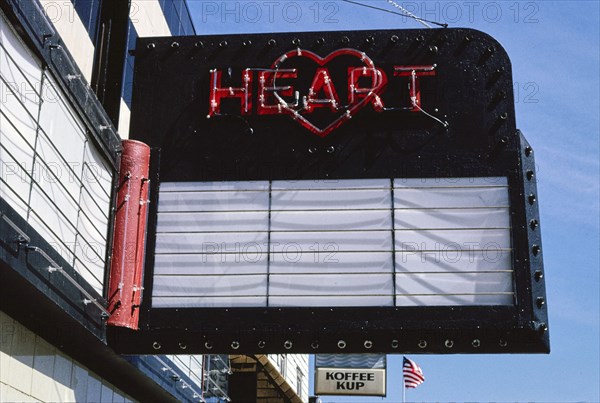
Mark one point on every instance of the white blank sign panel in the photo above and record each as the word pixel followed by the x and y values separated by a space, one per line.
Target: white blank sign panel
pixel 334 243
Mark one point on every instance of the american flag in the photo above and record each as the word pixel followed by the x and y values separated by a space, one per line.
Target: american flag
pixel 413 376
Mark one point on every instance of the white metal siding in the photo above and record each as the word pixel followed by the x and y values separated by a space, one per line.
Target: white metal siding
pixel 50 171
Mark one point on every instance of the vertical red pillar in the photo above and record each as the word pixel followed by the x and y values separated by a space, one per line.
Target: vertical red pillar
pixel 127 264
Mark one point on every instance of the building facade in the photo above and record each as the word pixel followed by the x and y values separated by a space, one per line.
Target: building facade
pixel 66 73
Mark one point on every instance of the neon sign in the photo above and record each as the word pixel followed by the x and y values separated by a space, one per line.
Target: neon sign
pixel 335 193
pixel 364 85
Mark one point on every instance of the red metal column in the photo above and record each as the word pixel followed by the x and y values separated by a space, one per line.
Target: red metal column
pixel 129 240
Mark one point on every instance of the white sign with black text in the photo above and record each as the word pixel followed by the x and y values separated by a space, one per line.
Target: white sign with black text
pixel 351 382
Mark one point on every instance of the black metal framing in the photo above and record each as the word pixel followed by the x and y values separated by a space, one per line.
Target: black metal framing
pixel 111 51
pixel 481 141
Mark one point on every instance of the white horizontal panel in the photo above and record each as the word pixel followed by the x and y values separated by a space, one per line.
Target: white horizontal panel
pixel 15 89
pixel 89 265
pixel 95 210
pixel 14 53
pixel 370 241
pixel 451 197
pixel 331 199
pixel 13 198
pixel 331 284
pixel 450 182
pixel 89 235
pixel 242 285
pixel 17 126
pixel 15 182
pixel 56 209
pixel 62 127
pixel 456 239
pixel 60 237
pixel 213 243
pixel 97 176
pixel 455 300
pixel 213 201
pixel 59 167
pixel 452 218
pixel 213 222
pixel 330 301
pixel 213 186
pixel 452 261
pixel 209 302
pixel 321 261
pixel 331 220
pixel 332 184
pixel 453 283
pixel 203 264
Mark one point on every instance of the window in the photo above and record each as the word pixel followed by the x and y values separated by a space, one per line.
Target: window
pixel 299 381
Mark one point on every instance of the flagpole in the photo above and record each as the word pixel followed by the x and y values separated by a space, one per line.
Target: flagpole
pixel 403 390
pixel 403 384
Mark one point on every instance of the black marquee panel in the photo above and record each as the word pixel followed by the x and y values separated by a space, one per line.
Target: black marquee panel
pixel 336 106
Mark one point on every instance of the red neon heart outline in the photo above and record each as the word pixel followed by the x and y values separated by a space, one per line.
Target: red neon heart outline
pixel 322 61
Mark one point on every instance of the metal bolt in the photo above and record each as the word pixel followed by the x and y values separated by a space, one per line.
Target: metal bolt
pixel 175 45
pixel 533 224
pixel 208 345
pixel 151 45
pixel 476 343
pixel 503 343
pixel 531 199
pixel 536 250
pixel 530 175
pixel 449 343
pixel 156 345
pixel 199 44
pixel 341 344
pixel 394 39
pixel 287 344
pixel 528 151
pixel 314 345
pixel 223 44
pixel 368 344
pixel 345 40
pixel 538 275
pixel 395 343
pixel 261 344
pixel 296 42
pixel 247 43
pixel 422 344
pixel 182 346
pixel 272 42
pixel 235 345
pixel 540 302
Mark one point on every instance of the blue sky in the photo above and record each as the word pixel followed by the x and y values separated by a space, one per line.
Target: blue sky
pixel 554 48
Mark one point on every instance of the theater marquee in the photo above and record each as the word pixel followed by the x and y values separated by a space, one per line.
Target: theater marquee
pixel 337 192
